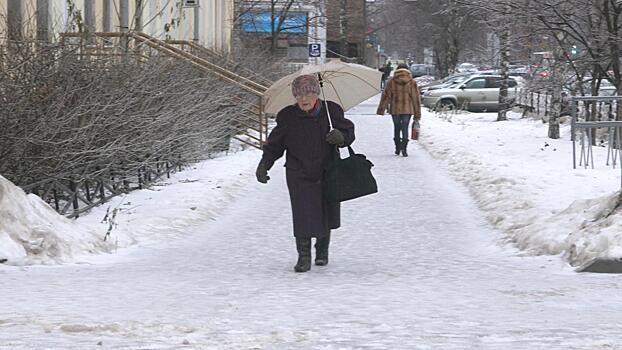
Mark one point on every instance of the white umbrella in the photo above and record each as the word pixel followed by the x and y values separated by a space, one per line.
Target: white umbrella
pixel 347 84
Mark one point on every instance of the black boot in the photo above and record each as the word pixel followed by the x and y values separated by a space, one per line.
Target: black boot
pixel 397 146
pixel 404 147
pixel 303 246
pixel 321 250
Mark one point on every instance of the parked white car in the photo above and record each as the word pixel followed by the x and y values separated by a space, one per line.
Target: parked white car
pixel 477 93
pixel 466 68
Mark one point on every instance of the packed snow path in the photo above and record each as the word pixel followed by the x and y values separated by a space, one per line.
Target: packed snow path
pixel 413 267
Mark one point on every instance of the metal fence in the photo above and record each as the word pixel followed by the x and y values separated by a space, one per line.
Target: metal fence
pixel 594 123
pixel 74 196
pixel 535 101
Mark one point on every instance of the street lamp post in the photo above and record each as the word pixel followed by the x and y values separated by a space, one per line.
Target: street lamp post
pixel 317 33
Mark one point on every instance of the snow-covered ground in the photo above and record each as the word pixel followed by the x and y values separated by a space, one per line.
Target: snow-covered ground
pixel 204 260
pixel 525 184
pixel 31 232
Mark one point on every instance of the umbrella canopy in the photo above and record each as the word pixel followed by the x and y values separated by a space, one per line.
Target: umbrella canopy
pixel 347 84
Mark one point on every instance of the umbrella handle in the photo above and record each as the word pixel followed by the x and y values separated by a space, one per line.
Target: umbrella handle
pixel 319 78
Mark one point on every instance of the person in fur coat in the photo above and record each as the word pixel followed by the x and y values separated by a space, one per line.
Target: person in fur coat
pixel 402 99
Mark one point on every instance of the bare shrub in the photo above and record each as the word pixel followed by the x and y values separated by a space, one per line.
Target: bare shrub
pixel 67 117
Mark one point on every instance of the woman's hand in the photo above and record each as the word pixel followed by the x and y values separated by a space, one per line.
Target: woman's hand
pixel 262 173
pixel 335 137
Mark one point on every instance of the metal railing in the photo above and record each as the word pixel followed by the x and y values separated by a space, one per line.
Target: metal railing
pixel 220 59
pixel 137 44
pixel 587 129
pixel 74 196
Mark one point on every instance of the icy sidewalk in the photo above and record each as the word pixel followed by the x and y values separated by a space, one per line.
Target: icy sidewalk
pixel 525 185
pixel 413 267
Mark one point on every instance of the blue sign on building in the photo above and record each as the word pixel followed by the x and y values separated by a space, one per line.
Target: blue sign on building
pixel 261 22
pixel 315 50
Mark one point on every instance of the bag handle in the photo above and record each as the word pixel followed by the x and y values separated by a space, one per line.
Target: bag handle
pixel 338 151
pixel 351 151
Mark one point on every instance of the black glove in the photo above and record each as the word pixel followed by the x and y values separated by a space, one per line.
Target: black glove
pixel 335 137
pixel 262 173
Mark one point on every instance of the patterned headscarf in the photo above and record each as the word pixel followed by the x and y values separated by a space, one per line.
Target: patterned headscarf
pixel 305 85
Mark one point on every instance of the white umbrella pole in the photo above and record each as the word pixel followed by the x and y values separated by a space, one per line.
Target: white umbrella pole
pixel 319 78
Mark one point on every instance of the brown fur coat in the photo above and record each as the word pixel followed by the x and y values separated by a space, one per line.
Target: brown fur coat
pixel 401 95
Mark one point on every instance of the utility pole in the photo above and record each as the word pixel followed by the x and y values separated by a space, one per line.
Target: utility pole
pixel 107 26
pixel 138 17
pixel 317 32
pixel 343 28
pixel 14 20
pixel 43 20
pixel 197 22
pixel 89 16
pixel 321 31
pixel 124 14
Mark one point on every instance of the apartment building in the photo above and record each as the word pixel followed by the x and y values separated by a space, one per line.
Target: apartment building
pixel 208 22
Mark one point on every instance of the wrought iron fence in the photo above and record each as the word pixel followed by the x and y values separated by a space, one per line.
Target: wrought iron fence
pixel 73 196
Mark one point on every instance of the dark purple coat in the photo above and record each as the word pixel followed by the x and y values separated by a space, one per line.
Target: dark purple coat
pixel 303 135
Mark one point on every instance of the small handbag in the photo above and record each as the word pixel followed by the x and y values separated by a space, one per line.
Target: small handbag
pixel 414 131
pixel 348 178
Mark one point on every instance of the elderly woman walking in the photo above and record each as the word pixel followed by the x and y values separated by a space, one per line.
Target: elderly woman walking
pixel 402 98
pixel 303 131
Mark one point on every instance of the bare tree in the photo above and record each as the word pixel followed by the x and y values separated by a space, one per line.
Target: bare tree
pixel 591 27
pixel 442 25
pixel 497 14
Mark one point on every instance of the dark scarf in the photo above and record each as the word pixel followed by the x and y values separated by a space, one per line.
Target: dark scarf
pixel 316 110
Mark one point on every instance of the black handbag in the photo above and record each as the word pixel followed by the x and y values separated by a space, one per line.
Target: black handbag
pixel 348 178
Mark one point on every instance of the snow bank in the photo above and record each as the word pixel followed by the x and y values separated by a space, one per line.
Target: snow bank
pixel 526 186
pixel 167 209
pixel 32 232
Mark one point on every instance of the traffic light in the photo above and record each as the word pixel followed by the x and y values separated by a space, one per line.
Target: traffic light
pixel 574 51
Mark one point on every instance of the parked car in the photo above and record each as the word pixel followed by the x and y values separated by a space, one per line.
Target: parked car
pixel 476 93
pixel 419 70
pixel 605 88
pixel 518 70
pixel 425 80
pixel 539 73
pixel 445 82
pixel 466 68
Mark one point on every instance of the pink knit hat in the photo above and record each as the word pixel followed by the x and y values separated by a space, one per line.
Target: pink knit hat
pixel 305 85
